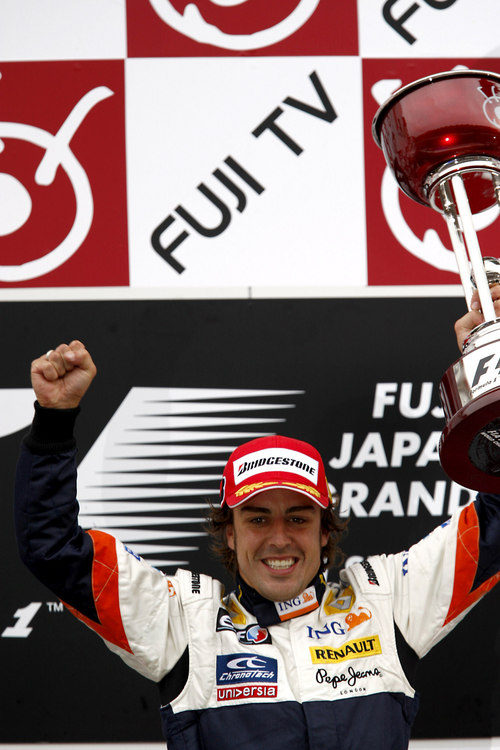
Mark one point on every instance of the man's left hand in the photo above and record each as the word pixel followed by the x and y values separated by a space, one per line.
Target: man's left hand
pixel 474 318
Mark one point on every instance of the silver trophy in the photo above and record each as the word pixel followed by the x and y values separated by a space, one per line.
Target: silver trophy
pixel 441 138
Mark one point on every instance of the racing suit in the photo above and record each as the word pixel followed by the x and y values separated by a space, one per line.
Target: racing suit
pixel 329 669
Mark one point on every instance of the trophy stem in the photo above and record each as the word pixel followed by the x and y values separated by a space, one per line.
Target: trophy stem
pixel 457 240
pixel 472 243
pixel 465 243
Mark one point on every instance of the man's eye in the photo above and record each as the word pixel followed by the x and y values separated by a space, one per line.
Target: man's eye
pixel 298 520
pixel 257 520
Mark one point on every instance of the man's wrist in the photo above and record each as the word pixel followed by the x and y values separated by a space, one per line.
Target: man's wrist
pixel 52 430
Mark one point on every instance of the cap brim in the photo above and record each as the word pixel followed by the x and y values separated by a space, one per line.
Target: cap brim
pixel 235 502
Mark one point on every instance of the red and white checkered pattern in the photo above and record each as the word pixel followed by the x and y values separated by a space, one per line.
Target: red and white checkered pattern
pixel 209 145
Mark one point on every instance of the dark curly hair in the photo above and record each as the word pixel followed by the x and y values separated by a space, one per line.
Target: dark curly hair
pixel 219 517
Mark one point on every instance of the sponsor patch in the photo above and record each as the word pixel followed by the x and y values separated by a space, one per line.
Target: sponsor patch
pixel 246 676
pixel 370 573
pixel 340 627
pixel 349 679
pixel 252 634
pixel 171 589
pixel 353 619
pixel 404 566
pixel 131 552
pixel 355 649
pixel 248 691
pixel 341 604
pixel 305 602
pixel 195 583
pixel 275 460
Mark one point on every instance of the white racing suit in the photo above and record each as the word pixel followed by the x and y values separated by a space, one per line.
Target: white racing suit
pixel 329 670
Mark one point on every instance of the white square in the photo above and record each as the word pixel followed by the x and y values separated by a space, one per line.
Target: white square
pixel 459 28
pixel 307 227
pixel 62 30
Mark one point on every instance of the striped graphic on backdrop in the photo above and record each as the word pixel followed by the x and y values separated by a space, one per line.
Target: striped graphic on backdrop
pixel 148 476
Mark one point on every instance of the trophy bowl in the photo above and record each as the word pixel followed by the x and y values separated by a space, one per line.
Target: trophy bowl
pixel 425 126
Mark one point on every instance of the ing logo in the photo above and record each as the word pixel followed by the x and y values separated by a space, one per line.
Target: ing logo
pixel 51 188
pixel 242 26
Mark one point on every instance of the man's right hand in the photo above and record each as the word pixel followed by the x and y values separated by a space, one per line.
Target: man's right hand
pixel 61 377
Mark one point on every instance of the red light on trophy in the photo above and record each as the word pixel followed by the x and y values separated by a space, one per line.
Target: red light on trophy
pixel 441 138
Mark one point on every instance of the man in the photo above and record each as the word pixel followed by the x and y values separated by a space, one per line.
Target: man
pixel 286 660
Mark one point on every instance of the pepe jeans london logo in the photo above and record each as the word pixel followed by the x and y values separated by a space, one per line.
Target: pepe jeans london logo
pixel 348 680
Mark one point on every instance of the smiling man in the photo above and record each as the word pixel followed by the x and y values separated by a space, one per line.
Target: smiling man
pixel 288 660
pixel 277 521
pixel 277 540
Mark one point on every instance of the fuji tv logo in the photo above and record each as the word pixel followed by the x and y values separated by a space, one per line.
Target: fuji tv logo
pixel 16 204
pixel 192 23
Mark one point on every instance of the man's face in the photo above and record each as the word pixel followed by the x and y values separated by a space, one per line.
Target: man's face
pixel 277 538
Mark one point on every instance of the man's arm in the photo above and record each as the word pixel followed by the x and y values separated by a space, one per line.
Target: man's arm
pixel 120 597
pixel 442 577
pixel 439 579
pixel 46 511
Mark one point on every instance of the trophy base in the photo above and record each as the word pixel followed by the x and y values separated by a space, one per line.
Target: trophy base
pixel 469 448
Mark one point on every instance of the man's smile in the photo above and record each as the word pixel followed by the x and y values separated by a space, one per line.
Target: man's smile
pixel 276 563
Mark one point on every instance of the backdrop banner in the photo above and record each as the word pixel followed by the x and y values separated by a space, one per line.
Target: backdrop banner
pixel 179 385
pixel 219 144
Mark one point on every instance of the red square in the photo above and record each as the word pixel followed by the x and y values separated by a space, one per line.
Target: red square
pixel 183 28
pixel 408 243
pixel 62 174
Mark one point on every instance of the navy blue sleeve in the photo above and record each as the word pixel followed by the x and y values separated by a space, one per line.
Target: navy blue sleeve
pixel 51 543
pixel 488 514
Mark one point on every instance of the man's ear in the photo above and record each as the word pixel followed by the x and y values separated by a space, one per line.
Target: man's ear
pixel 324 537
pixel 230 536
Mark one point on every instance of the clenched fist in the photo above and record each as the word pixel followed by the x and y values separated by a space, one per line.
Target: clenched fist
pixel 61 377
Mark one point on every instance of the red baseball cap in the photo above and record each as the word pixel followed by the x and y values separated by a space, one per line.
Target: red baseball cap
pixel 270 462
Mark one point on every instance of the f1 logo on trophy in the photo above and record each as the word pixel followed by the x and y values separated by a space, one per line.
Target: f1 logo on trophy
pixel 441 138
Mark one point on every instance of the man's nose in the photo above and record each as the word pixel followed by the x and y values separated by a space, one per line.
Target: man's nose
pixel 279 534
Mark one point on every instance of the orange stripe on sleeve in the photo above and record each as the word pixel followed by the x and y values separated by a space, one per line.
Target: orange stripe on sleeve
pixel 466 560
pixel 105 592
